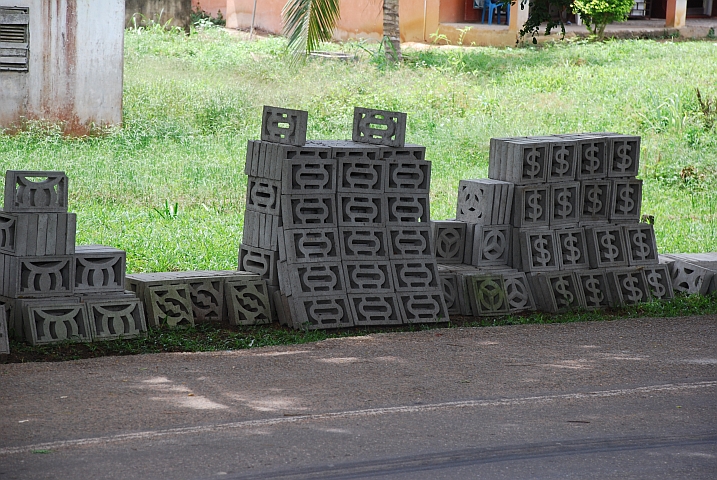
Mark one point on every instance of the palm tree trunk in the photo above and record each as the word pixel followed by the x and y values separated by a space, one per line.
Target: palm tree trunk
pixel 391 33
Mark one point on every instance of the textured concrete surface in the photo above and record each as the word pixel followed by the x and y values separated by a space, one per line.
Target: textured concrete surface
pixel 622 399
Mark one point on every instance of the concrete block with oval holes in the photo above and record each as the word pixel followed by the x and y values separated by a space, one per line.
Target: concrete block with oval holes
pixel 99 269
pixel 35 191
pixel 283 125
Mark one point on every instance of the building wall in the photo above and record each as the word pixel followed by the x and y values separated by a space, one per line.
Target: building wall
pixel 212 7
pixel 178 11
pixel 75 65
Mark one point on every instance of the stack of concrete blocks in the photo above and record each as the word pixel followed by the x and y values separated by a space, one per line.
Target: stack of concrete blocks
pixel 568 224
pixel 180 299
pixel 339 229
pixel 51 290
pixel 692 273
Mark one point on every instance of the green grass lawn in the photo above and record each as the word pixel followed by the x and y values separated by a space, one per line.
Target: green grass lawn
pixel 192 102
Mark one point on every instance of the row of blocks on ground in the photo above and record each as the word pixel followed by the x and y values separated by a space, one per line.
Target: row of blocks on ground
pixel 339 228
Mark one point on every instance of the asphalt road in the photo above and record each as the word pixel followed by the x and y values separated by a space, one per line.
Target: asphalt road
pixel 621 399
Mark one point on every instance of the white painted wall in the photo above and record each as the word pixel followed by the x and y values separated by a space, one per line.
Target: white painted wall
pixel 75 65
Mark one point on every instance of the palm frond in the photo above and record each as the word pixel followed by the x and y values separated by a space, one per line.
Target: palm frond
pixel 307 23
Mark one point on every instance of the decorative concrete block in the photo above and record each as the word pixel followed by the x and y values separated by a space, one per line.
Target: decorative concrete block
pixel 247 302
pixel 606 246
pixel 315 312
pixel 518 292
pixel 626 200
pixel 379 127
pixel 368 277
pixel 363 243
pixel 405 209
pixel 659 282
pixel 308 245
pixel 539 252
pixel 624 156
pixel 349 150
pixel 628 286
pixel 572 249
pixel 55 322
pixel 268 158
pixel 705 260
pixel 564 204
pixel 408 176
pixel 36 276
pixel 282 125
pixel 317 278
pixel 640 244
pixel 491 245
pixel 35 191
pixel 13 319
pixel 375 309
pixel 361 176
pixel 592 157
pixel 485 201
pixel 451 292
pixel 464 285
pixel 362 210
pixel 449 239
pixel 423 306
pixel 207 295
pixel 252 155
pixel 115 316
pixel 691 279
pixel 523 161
pixel 415 275
pixel 4 339
pixel 556 292
pixel 284 275
pixel 30 234
pixel 262 230
pixel 563 158
pixel 410 242
pixel 407 152
pixel 259 261
pixel 487 295
pixel 263 196
pixel 169 304
pixel 283 311
pixel 308 176
pixel 307 211
pixel 595 290
pixel 532 206
pixel 595 201
pixel 99 269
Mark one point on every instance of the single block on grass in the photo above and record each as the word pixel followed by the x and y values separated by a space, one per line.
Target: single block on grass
pixel 410 242
pixel 282 125
pixel 247 302
pixel 659 282
pixel 207 295
pixel 379 127
pixel 36 276
pixel 316 312
pixel 169 304
pixel 449 239
pixel 99 269
pixel 690 278
pixel 35 191
pixel 595 289
pixel 628 286
pixel 375 309
pixel 56 321
pixel 115 316
pixel 423 306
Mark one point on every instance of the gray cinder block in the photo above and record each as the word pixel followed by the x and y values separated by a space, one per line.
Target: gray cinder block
pixel 247 302
pixel 451 292
pixel 562 161
pixel 572 249
pixel 595 290
pixel 283 311
pixel 407 152
pixel 308 245
pixel 410 242
pixel 595 201
pixel 659 282
pixel 485 201
pixel 690 278
pixel 4 339
pixel 415 275
pixel 423 306
pixel 361 210
pixel 375 309
pixel 29 234
pixel 640 244
pixel 539 252
pixel 628 286
pixel 556 292
pixel 169 304
pixel 262 230
pixel 521 160
pixel 307 211
pixel 368 277
pixel 406 176
pixel 363 243
pixel 315 312
pixel 348 149
pixel 606 246
pixel 35 191
pixel 36 276
pixel 111 318
pixel 263 196
pixel 532 206
pixel 565 204
pixel 592 157
pixel 379 127
pixel 518 292
pixel 491 245
pixel 308 176
pixel 267 159
pixel 626 200
pixel 405 208
pixel 487 295
pixel 99 269
pixel 55 322
pixel 361 176
pixel 207 295
pixel 282 125
pixel 624 156
pixel 449 240
pixel 317 278
pixel 259 261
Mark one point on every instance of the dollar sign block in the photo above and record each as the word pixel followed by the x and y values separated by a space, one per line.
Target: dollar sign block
pixel 592 162
pixel 571 252
pixel 593 204
pixel 631 292
pixel 565 208
pixel 563 295
pixel 532 168
pixel 536 210
pixel 626 202
pixel 640 247
pixel 622 160
pixel 592 287
pixel 626 199
pixel 561 162
pixel 624 156
pixel 609 251
pixel 656 287
pixel 543 255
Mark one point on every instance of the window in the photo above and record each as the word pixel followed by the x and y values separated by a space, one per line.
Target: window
pixel 14 39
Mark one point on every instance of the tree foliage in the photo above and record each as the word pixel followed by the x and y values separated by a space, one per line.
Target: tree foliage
pixel 597 14
pixel 307 23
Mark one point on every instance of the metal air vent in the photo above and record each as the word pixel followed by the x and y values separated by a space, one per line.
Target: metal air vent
pixel 14 39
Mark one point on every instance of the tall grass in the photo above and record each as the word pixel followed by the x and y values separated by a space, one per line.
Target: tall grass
pixel 192 102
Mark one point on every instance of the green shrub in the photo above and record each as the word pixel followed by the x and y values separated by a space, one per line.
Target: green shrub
pixel 597 14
